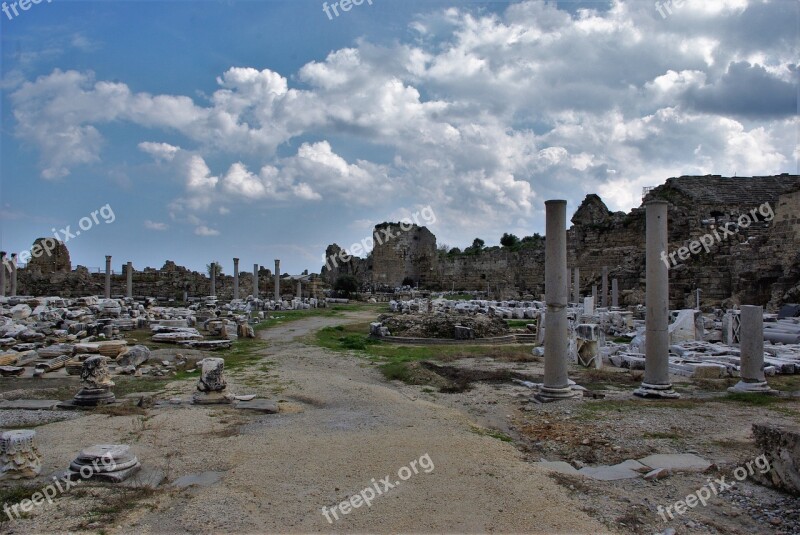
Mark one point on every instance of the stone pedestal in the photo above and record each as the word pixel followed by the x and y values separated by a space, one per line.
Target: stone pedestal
pixel 211 385
pixel 588 306
pixel 236 278
pixel 752 352
pixel 97 383
pixel 656 372
pixel 556 339
pixel 19 456
pixel 111 463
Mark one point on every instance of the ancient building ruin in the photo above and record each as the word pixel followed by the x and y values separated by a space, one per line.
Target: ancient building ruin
pixel 757 264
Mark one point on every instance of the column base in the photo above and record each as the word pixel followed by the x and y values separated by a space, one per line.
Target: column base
pixel 751 388
pixel 547 394
pixel 656 391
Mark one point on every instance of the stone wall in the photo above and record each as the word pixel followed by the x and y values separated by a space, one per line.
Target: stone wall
pixel 758 265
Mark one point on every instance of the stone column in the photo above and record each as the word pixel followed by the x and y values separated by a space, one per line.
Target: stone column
pixel 213 279
pixel 277 281
pixel 576 289
pixel 14 275
pixel 3 268
pixel 604 296
pixel 108 277
pixel 656 372
pixel 556 379
pixel 697 298
pixel 299 290
pixel 594 295
pixel 614 293
pixel 129 275
pixel 752 351
pixel 236 278
pixel 255 281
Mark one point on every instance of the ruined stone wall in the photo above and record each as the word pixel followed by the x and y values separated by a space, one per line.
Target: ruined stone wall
pixel 409 253
pixel 169 282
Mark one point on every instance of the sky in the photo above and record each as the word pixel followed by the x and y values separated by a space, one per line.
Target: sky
pixel 199 131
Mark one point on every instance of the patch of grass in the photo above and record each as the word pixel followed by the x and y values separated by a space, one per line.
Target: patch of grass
pixel 124 385
pixel 243 352
pixel 499 435
pixel 396 371
pixel 758 400
pixel 519 323
pixel 10 496
pixel 622 340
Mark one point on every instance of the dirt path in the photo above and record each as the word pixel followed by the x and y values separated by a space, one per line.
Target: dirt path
pixel 341 425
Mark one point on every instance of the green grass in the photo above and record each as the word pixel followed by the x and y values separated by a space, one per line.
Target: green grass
pixel 519 323
pixel 395 358
pixel 492 433
pixel 758 400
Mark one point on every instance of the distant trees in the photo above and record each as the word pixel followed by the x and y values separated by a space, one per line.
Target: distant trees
pixel 509 240
pixel 219 269
pixel 345 285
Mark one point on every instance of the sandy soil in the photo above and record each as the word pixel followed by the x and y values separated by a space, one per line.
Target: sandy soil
pixel 341 426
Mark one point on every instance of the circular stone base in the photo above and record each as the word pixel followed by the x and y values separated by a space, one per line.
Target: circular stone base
pixel 547 393
pixel 751 388
pixel 656 391
pixel 91 397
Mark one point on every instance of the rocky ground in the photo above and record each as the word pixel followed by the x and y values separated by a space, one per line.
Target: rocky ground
pixel 341 425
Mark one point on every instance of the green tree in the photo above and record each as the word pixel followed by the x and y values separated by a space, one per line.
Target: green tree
pixel 346 285
pixel 219 269
pixel 509 240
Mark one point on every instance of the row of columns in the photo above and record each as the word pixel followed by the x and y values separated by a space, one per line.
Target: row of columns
pixel 576 289
pixel 656 378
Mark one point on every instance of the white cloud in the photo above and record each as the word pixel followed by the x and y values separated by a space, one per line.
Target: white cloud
pixel 153 225
pixel 203 230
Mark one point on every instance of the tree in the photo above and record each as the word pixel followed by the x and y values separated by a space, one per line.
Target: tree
pixel 408 281
pixel 346 285
pixel 219 269
pixel 509 240
pixel 476 247
pixel 454 251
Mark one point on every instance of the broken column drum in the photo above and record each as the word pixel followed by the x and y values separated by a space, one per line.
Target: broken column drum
pixel 212 384
pixel 19 456
pixel 97 383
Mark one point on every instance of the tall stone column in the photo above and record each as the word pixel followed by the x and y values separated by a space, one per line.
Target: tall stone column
pixel 255 281
pixel 3 268
pixel 594 295
pixel 752 351
pixel 213 279
pixel 604 295
pixel 656 371
pixel 556 333
pixel 236 278
pixel 277 281
pixel 614 293
pixel 576 288
pixel 14 275
pixel 129 275
pixel 108 277
pixel 299 290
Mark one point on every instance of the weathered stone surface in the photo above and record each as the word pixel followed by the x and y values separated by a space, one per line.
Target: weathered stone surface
pixel 259 405
pixel 781 446
pixel 19 456
pixel 687 462
pixel 134 356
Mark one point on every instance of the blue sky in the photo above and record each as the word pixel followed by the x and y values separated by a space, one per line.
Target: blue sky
pixel 265 130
